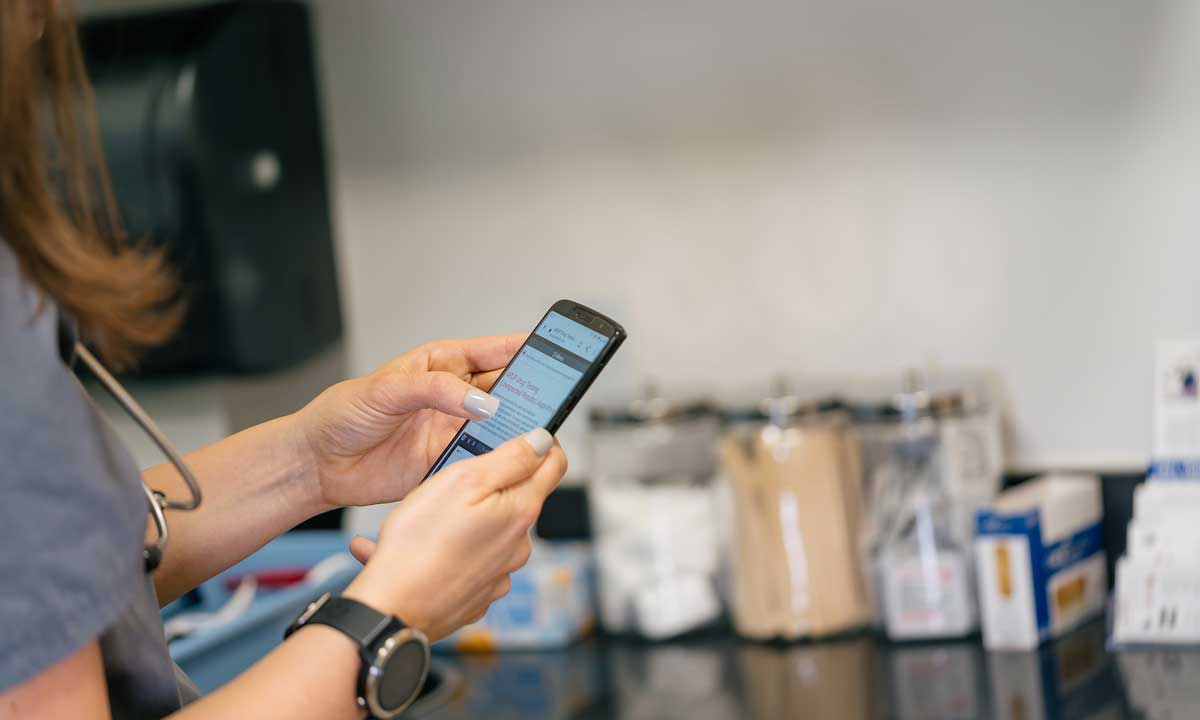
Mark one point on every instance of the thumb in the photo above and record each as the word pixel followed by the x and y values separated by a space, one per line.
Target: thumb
pixel 443 391
pixel 510 464
pixel 361 548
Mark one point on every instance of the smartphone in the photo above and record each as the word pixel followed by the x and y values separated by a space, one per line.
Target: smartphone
pixel 553 369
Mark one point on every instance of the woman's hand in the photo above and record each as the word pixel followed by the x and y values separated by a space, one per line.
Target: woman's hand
pixel 445 554
pixel 371 439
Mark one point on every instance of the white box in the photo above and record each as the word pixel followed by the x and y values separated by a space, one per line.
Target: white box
pixel 1157 603
pixel 1163 542
pixel 1176 448
pixel 1040 559
pixel 1157 590
pixel 1164 501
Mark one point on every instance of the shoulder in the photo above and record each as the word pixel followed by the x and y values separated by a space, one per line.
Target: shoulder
pixel 40 399
pixel 28 321
pixel 73 517
pixel 52 436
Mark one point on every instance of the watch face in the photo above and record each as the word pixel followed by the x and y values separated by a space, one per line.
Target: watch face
pixel 403 675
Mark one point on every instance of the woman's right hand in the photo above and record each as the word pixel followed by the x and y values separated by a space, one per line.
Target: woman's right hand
pixel 446 552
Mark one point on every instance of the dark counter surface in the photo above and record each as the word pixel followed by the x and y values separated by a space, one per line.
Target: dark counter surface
pixel 714 675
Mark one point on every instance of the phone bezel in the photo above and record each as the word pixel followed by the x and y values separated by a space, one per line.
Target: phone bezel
pixel 583 315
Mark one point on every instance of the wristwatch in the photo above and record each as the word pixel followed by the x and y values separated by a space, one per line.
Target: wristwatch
pixel 395 657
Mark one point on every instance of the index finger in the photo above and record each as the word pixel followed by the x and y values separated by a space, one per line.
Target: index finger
pixel 475 355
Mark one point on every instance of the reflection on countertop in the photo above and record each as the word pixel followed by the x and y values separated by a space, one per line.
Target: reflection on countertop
pixel 717 676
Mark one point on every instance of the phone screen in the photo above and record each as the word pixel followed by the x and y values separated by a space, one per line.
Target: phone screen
pixel 534 385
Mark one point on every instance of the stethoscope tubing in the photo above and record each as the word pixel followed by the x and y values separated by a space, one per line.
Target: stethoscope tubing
pixel 158 502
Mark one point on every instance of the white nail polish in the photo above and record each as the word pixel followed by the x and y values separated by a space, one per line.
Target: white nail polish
pixel 540 440
pixel 481 405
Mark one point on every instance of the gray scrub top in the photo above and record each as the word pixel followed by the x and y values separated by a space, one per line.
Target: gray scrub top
pixel 72 524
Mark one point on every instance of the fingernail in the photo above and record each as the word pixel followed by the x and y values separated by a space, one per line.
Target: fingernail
pixel 540 440
pixel 480 404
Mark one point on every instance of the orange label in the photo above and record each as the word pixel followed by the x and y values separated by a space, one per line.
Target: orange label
pixel 1003 572
pixel 1070 594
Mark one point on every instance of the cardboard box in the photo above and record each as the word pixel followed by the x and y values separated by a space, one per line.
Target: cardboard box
pixel 1040 560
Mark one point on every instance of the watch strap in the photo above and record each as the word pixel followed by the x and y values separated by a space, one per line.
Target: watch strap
pixel 373 632
pixel 361 622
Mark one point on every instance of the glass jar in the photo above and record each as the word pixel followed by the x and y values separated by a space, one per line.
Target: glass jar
pixel 654 516
pixel 792 469
pixel 972 454
pixel 938 449
pixel 923 567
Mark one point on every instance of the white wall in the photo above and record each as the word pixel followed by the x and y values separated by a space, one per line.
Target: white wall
pixel 766 186
pixel 760 186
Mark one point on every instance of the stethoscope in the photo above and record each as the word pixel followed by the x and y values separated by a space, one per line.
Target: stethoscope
pixel 71 350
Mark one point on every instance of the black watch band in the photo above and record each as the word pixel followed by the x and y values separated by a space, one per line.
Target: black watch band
pixel 395 657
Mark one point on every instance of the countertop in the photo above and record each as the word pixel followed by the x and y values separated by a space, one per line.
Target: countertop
pixel 714 675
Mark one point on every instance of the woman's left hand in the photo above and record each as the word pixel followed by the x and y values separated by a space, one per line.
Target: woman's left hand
pixel 371 439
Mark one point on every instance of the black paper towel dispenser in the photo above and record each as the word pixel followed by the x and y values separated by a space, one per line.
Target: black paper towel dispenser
pixel 211 123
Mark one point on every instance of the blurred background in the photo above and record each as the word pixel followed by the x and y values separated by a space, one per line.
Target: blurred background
pixel 841 202
pixel 798 187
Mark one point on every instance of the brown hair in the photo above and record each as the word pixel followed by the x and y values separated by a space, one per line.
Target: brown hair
pixel 71 243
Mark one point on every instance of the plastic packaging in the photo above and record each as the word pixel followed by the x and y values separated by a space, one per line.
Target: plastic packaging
pixel 954 431
pixel 654 517
pixel 972 454
pixel 794 480
pixel 921 563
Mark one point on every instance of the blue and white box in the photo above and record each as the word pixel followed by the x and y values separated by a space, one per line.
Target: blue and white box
pixel 549 606
pixel 1040 559
pixel 1157 589
pixel 1176 448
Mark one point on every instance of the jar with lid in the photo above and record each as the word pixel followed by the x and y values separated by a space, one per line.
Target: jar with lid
pixel 922 568
pixel 791 464
pixel 654 517
pixel 972 452
pixel 938 446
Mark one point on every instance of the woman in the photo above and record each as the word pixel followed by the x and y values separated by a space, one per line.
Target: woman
pixel 80 634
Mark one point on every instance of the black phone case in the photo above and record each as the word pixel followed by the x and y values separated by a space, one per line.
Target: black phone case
pixel 578 312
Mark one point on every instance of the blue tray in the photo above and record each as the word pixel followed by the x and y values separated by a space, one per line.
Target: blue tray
pixel 214 657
